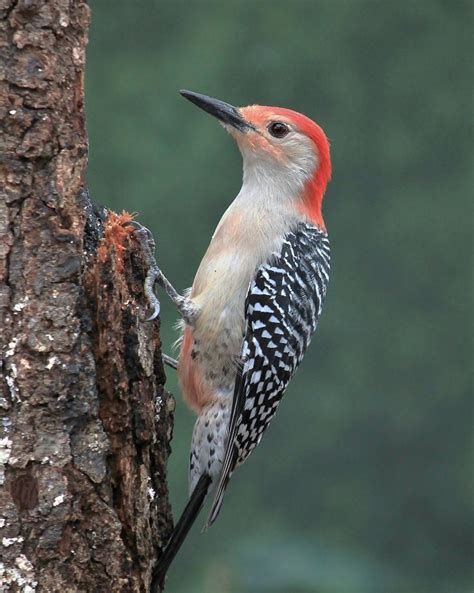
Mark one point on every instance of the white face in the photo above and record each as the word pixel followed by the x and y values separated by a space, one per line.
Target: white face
pixel 276 152
pixel 294 149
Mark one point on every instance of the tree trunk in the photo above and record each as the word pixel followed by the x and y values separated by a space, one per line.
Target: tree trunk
pixel 86 423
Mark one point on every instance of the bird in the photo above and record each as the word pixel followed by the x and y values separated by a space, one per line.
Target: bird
pixel 255 301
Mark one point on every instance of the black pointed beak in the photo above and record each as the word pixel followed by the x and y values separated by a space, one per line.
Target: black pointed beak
pixel 227 114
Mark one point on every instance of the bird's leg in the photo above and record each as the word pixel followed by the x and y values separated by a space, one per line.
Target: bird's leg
pixel 185 306
pixel 171 362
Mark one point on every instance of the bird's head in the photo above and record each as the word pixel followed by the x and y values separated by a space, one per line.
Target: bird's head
pixel 278 145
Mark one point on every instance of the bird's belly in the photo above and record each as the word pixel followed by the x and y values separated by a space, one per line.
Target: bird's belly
pixel 211 348
pixel 217 349
pixel 210 352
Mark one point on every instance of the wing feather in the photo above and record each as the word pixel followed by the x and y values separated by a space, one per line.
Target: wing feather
pixel 282 309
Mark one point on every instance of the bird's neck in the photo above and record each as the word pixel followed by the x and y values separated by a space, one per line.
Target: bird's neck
pixel 273 190
pixel 311 203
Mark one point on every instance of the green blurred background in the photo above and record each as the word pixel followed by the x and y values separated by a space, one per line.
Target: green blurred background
pixel 362 483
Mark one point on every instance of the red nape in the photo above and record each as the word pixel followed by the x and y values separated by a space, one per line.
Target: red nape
pixel 315 187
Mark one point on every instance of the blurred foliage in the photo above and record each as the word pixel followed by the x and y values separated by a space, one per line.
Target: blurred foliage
pixel 363 483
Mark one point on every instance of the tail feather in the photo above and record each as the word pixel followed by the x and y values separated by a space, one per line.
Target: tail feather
pixel 226 474
pixel 180 532
pixel 218 499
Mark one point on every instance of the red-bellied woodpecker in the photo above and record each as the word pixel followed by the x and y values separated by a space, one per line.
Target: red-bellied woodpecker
pixel 256 298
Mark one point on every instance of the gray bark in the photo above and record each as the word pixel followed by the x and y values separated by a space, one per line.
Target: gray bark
pixel 85 420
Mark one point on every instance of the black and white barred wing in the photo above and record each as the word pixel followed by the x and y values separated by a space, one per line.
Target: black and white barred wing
pixel 282 309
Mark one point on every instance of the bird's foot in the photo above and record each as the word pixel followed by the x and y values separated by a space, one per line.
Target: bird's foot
pixel 171 362
pixel 187 309
pixel 147 244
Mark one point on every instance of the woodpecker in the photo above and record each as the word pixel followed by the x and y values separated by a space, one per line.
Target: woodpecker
pixel 255 300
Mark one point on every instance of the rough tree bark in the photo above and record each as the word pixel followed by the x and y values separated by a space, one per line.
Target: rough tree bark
pixel 86 422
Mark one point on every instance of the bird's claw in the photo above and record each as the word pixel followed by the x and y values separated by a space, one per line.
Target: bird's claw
pixel 187 309
pixel 154 304
pixel 171 362
pixel 147 243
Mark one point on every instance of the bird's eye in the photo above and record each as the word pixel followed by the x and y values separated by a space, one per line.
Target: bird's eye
pixel 278 129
